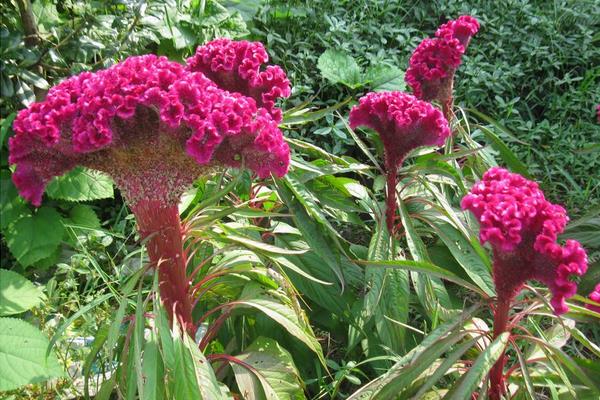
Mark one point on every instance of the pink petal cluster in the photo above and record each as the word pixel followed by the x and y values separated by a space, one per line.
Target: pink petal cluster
pixel 433 63
pixel 236 66
pixel 462 29
pixel 148 122
pixel 523 228
pixel 595 296
pixel 403 122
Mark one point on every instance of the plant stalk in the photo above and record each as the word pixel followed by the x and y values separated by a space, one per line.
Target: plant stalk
pixel 497 380
pixel 161 227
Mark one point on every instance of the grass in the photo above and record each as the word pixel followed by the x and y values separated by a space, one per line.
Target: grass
pixel 534 67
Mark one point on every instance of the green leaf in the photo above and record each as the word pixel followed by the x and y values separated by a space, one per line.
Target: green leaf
pixel 254 296
pixel 385 78
pixel 340 67
pixel 23 358
pixel 81 185
pixel 388 295
pixel 467 257
pixel 426 268
pixel 12 206
pixel 430 291
pixel 507 155
pixel 193 376
pixel 153 371
pixel 272 373
pixel 480 368
pixel 34 79
pixel 35 237
pixel 17 294
pixel 84 216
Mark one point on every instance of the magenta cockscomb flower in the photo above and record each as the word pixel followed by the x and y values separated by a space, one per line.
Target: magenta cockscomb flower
pixel 595 296
pixel 598 113
pixel 463 29
pixel 432 65
pixel 149 123
pixel 154 126
pixel 404 123
pixel 236 66
pixel 431 68
pixel 523 227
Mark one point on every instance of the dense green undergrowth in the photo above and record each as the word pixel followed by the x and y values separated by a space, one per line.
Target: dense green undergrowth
pixel 534 67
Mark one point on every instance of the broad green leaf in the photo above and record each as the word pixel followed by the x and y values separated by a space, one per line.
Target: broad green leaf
pixel 12 206
pixel 272 374
pixel 383 78
pixel 81 185
pixel 17 294
pixel 153 371
pixel 34 79
pixel 340 67
pixel 82 215
pixel 35 237
pixel 255 296
pixel 467 257
pixel 193 376
pixel 480 368
pixel 23 356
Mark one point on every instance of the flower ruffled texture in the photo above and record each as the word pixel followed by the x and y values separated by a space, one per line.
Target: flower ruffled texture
pixel 403 122
pixel 236 66
pixel 150 123
pixel 433 63
pixel 594 296
pixel 462 29
pixel 522 228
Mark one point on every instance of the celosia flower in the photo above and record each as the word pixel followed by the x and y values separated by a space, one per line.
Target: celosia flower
pixel 236 66
pixel 431 68
pixel 154 126
pixel 522 228
pixel 595 296
pixel 462 28
pixel 148 122
pixel 404 123
pixel 432 65
pixel 598 113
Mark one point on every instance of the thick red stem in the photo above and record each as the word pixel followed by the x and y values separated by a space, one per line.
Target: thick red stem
pixel 391 171
pixel 447 106
pixel 161 226
pixel 497 381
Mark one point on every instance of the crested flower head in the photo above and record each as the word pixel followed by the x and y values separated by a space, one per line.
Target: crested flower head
pixel 236 66
pixel 432 65
pixel 148 122
pixel 403 122
pixel 595 296
pixel 462 29
pixel 523 228
pixel 431 68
